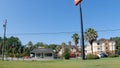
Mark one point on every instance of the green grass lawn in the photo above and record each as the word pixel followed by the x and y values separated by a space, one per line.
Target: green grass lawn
pixel 75 63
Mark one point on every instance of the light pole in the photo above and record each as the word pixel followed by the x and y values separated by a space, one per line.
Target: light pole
pixel 76 2
pixel 82 33
pixel 4 27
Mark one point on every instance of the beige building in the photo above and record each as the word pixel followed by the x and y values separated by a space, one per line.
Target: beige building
pixel 74 51
pixel 102 45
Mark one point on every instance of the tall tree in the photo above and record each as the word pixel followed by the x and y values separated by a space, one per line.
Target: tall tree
pixel 75 38
pixel 1 43
pixel 12 45
pixel 90 36
pixel 30 45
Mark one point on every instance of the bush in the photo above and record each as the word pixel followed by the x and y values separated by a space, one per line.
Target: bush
pixel 66 56
pixel 113 55
pixel 17 55
pixel 90 56
pixel 66 53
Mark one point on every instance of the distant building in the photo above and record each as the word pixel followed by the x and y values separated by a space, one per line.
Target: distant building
pixel 74 51
pixel 42 53
pixel 102 45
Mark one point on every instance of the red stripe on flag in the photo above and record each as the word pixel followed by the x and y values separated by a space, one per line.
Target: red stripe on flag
pixel 76 2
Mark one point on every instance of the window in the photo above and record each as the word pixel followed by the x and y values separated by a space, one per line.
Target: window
pixel 98 43
pixel 106 47
pixel 98 48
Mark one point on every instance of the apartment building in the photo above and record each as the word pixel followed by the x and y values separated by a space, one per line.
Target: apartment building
pixel 101 46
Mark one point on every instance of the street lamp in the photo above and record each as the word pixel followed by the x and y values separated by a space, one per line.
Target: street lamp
pixel 76 2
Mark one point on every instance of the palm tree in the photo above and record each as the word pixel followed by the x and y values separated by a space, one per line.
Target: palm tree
pixel 91 36
pixel 75 38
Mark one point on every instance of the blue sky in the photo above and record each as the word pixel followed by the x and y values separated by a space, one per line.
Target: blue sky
pixel 53 16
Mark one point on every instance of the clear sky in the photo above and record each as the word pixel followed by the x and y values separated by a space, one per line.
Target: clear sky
pixel 53 16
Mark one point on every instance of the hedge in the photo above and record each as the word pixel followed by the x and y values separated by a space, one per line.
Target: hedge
pixel 90 56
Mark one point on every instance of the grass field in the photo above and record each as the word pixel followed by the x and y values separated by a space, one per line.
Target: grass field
pixel 75 63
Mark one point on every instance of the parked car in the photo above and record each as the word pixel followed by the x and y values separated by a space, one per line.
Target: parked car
pixel 102 55
pixel 118 53
pixel 72 55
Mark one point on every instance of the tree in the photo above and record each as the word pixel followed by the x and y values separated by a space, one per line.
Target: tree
pixel 63 45
pixel 117 41
pixel 66 53
pixel 91 36
pixel 12 46
pixel 75 38
pixel 60 50
pixel 24 52
pixel 1 43
pixel 17 55
pixel 30 45
pixel 40 44
pixel 27 51
pixel 13 42
pixel 52 46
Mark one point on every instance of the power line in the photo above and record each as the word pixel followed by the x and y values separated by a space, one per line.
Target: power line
pixel 52 33
pixel 108 30
pixel 55 33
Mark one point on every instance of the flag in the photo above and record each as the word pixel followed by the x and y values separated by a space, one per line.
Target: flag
pixel 76 2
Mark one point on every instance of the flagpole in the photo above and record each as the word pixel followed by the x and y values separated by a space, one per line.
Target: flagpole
pixel 82 33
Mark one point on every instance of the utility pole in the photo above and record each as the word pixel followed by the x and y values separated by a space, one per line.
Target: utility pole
pixel 4 27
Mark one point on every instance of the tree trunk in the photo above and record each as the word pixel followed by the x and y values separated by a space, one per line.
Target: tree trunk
pixel 92 49
pixel 77 49
pixel 91 46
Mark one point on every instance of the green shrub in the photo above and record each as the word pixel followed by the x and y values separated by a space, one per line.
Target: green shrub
pixel 17 55
pixel 66 56
pixel 66 53
pixel 90 56
pixel 113 55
